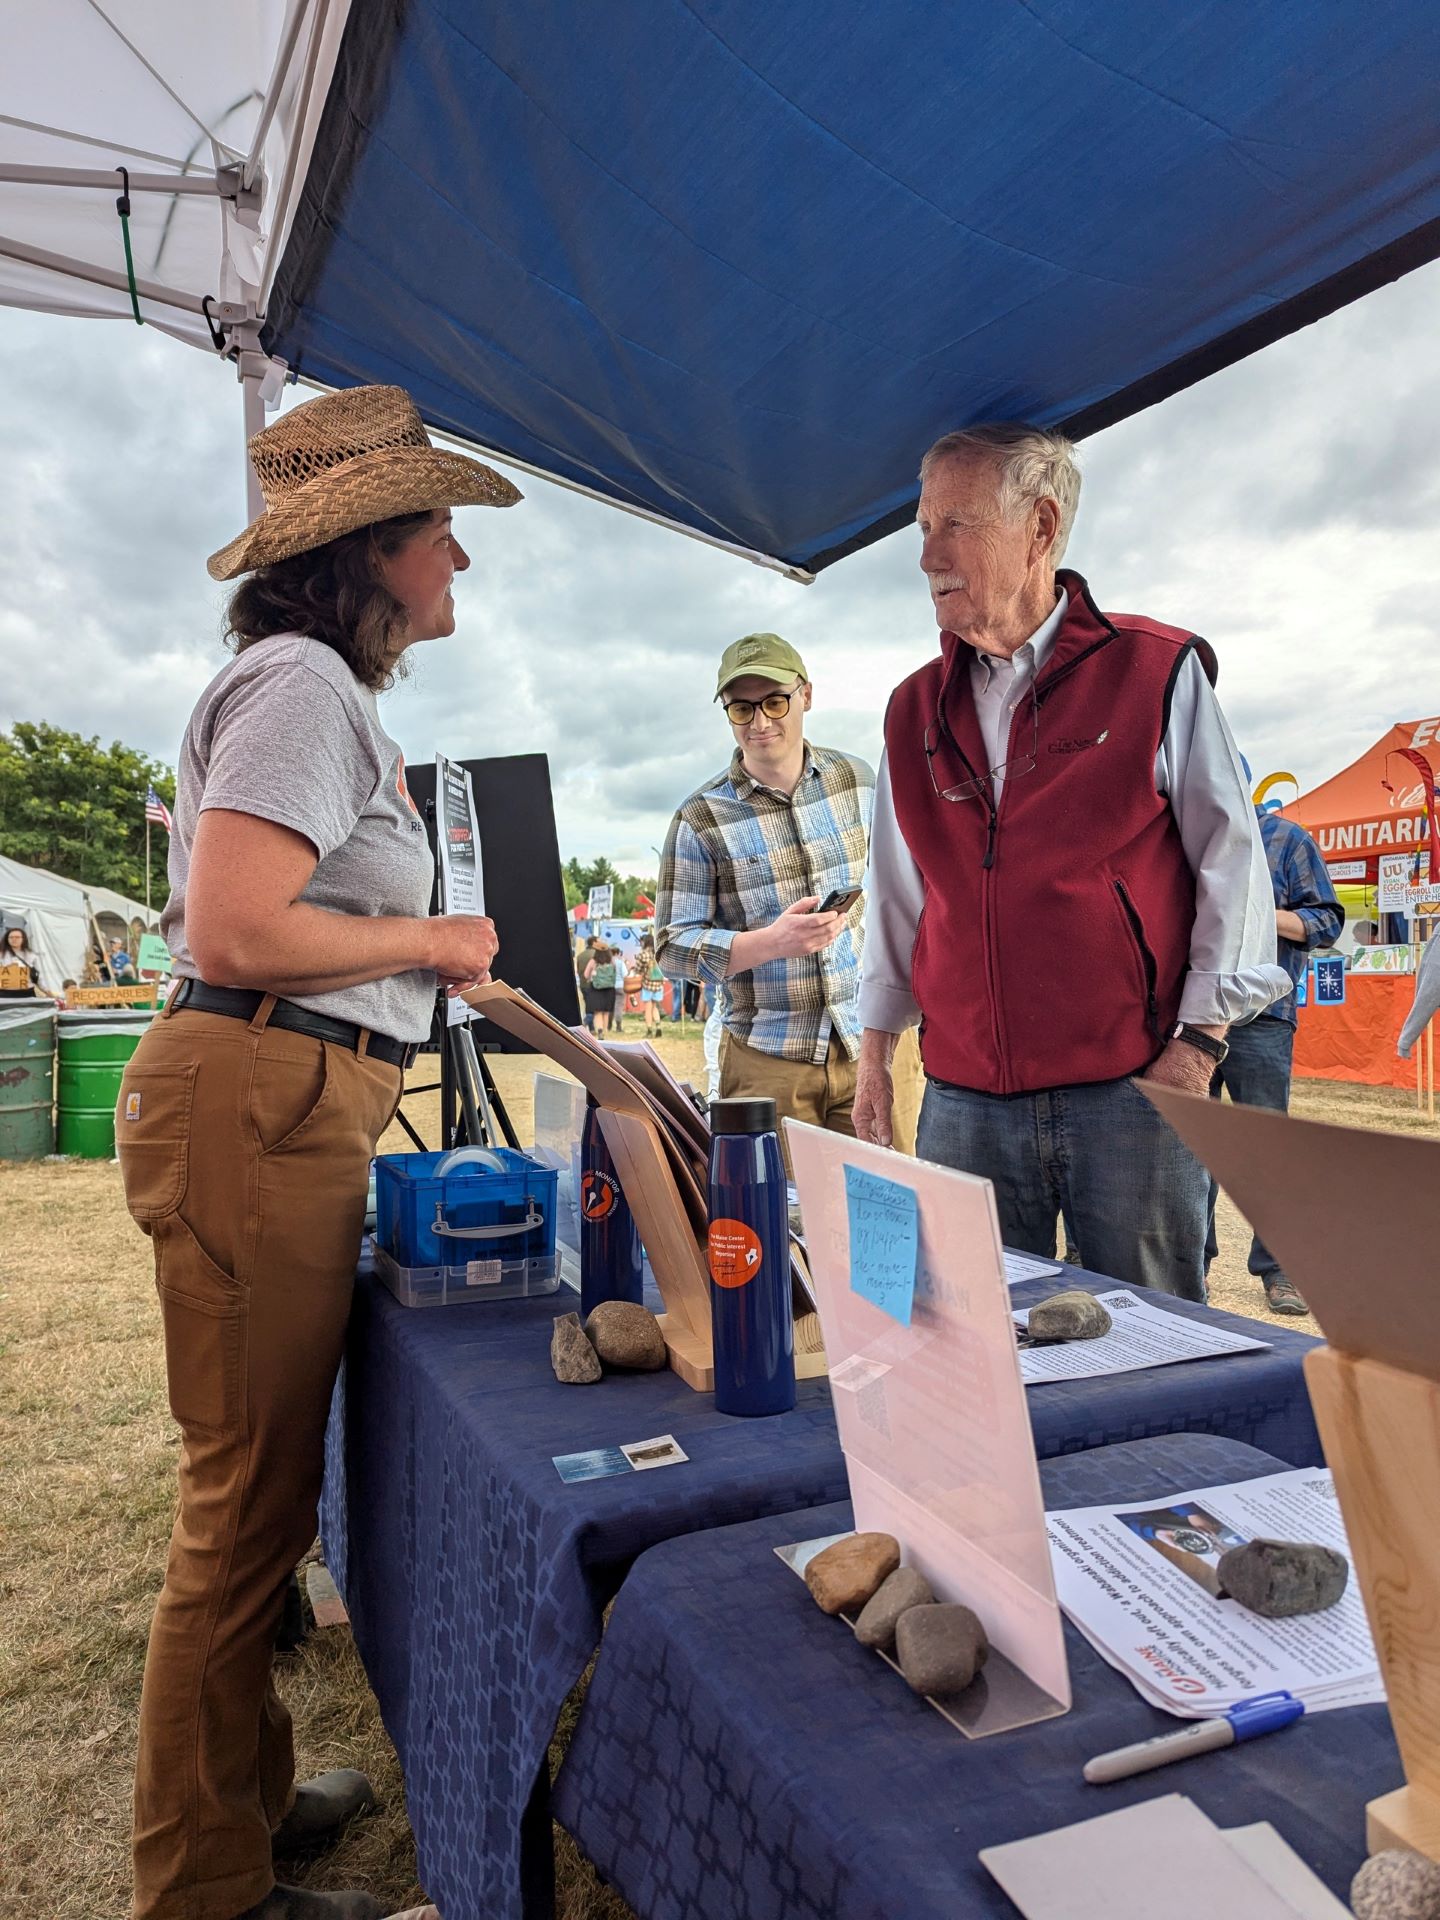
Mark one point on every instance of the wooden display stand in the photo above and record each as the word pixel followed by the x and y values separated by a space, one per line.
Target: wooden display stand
pixel 1349 1217
pixel 1381 1431
pixel 658 1152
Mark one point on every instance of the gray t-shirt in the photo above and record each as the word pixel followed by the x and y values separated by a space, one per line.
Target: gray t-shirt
pixel 287 732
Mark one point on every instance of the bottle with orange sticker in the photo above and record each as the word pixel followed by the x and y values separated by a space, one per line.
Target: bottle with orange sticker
pixel 749 1257
pixel 611 1259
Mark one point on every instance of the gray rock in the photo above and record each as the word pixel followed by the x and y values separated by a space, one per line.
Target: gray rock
pixel 904 1589
pixel 1397 1885
pixel 574 1360
pixel 1074 1315
pixel 625 1334
pixel 842 1577
pixel 940 1648
pixel 1278 1578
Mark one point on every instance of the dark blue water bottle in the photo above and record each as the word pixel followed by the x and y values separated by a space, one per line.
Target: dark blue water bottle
pixel 611 1263
pixel 749 1250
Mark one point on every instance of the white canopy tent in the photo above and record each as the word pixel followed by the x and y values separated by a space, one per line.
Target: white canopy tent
pixel 212 110
pixel 62 917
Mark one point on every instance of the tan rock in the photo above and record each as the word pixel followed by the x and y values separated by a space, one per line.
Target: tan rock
pixel 625 1334
pixel 843 1577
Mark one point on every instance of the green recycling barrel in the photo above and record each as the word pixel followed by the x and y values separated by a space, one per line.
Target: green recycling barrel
pixel 27 1079
pixel 95 1045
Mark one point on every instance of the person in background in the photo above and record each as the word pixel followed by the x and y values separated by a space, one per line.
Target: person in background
pixel 307 962
pixel 622 974
pixel 599 976
pixel 583 956
pixel 122 967
pixel 652 986
pixel 748 860
pixel 1067 886
pixel 15 956
pixel 1256 1070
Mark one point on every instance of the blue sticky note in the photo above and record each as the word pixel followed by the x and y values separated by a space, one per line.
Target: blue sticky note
pixel 884 1241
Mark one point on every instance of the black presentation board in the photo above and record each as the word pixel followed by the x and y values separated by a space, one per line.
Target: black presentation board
pixel 524 891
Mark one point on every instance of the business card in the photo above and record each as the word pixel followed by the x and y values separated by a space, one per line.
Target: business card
pixel 637 1456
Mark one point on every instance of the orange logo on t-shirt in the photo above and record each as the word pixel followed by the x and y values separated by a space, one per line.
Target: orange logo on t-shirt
pixel 734 1253
pixel 598 1196
pixel 400 786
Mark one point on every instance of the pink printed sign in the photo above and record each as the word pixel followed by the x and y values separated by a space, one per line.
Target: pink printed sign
pixel 932 1415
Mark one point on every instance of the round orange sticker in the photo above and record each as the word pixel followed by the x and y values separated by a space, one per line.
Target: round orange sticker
pixel 734 1251
pixel 598 1196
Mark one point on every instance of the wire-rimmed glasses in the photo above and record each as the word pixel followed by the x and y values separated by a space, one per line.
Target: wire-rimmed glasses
pixel 979 785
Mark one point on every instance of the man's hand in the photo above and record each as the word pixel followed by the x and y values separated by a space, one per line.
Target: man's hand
pixel 1184 1067
pixel 875 1088
pixel 1289 926
pixel 800 930
pixel 462 945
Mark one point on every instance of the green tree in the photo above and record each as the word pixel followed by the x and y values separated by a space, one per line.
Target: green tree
pixel 75 808
pixel 579 879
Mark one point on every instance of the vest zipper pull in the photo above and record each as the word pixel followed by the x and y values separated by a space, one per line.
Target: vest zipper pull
pixel 989 859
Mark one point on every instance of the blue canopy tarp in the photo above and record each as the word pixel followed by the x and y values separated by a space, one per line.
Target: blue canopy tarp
pixel 737 262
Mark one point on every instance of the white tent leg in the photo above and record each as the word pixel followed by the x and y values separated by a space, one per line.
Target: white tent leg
pixel 254 412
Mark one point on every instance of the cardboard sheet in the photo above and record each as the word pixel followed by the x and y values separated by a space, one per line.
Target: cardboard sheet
pixel 1347 1213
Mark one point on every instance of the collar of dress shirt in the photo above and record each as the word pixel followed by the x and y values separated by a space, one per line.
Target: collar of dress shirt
pixel 1031 656
pixel 745 783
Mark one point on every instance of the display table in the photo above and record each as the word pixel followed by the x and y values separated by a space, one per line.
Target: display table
pixel 1355 1041
pixel 476 1579
pixel 740 1753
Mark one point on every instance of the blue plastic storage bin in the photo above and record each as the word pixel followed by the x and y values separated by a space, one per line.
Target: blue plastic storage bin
pixel 426 1219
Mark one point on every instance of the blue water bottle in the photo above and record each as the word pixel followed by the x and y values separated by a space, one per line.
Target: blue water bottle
pixel 611 1262
pixel 749 1255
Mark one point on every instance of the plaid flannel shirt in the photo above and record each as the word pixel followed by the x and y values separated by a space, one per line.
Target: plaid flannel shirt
pixel 1301 884
pixel 737 854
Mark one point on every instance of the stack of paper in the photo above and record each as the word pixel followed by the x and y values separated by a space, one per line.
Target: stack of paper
pixel 1140 1584
pixel 1141 1336
pixel 1163 1856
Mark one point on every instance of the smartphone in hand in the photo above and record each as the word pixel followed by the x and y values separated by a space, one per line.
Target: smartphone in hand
pixel 839 900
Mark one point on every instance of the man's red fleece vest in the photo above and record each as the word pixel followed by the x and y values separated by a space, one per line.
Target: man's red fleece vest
pixel 1056 929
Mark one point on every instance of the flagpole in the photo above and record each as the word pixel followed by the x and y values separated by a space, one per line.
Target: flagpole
pixel 147 860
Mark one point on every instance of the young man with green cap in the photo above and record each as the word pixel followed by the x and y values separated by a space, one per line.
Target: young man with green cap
pixel 749 859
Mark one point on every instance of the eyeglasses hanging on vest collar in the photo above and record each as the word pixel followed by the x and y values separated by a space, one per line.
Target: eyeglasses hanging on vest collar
pixel 978 786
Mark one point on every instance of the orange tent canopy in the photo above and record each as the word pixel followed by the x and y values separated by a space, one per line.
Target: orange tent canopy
pixel 1352 817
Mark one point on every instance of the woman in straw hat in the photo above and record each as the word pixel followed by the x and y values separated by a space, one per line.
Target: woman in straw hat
pixel 307 964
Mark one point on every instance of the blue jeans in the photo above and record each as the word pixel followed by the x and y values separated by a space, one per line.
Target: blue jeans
pixel 1131 1195
pixel 1256 1073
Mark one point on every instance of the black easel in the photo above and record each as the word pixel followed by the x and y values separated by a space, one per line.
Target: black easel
pixel 470 1104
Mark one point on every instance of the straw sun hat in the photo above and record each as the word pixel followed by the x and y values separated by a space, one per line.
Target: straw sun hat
pixel 345 461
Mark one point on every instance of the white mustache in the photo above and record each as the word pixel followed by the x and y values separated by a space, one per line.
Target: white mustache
pixel 946 582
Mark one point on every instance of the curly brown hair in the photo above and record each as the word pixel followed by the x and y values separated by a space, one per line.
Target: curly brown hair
pixel 335 593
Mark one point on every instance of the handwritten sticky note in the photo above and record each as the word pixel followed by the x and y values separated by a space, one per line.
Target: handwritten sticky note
pixel 884 1241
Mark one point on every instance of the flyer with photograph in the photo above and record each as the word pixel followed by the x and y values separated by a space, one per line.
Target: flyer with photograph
pixel 1140 1583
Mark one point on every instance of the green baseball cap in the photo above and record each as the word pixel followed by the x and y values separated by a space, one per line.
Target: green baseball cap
pixel 765 655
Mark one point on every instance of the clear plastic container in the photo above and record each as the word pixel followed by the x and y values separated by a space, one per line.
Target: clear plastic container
pixel 524 1279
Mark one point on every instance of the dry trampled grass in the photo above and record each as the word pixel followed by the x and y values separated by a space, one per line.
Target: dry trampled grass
pixel 89 1458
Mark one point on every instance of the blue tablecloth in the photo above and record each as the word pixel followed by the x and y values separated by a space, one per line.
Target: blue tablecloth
pixel 739 1753
pixel 476 1579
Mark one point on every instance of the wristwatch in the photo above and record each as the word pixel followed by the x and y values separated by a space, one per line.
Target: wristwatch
pixel 1202 1042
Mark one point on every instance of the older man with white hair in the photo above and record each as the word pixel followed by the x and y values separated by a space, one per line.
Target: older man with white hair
pixel 1067 887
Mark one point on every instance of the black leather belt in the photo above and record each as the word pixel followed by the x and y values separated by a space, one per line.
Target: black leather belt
pixel 238 1003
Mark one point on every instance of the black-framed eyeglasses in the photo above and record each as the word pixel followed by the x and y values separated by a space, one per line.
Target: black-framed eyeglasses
pixel 774 706
pixel 978 785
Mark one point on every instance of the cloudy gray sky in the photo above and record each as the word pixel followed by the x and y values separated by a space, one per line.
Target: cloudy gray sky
pixel 1287 509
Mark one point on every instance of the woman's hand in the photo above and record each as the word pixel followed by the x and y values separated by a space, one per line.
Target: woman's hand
pixel 464 946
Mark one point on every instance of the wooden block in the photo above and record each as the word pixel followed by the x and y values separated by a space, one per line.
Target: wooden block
pixel 1405 1818
pixel 1381 1432
pixel 325 1602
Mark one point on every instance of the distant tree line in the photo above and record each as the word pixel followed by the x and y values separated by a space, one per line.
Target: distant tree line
pixel 77 809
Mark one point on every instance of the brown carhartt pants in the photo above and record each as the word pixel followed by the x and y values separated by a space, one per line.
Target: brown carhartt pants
pixel 245 1152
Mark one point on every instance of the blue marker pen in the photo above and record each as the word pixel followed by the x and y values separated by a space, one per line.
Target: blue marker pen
pixel 1265 1713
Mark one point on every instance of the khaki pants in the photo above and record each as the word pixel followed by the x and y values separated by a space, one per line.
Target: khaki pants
pixel 244 1152
pixel 822 1095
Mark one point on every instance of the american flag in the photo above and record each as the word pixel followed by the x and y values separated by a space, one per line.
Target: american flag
pixel 156 810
